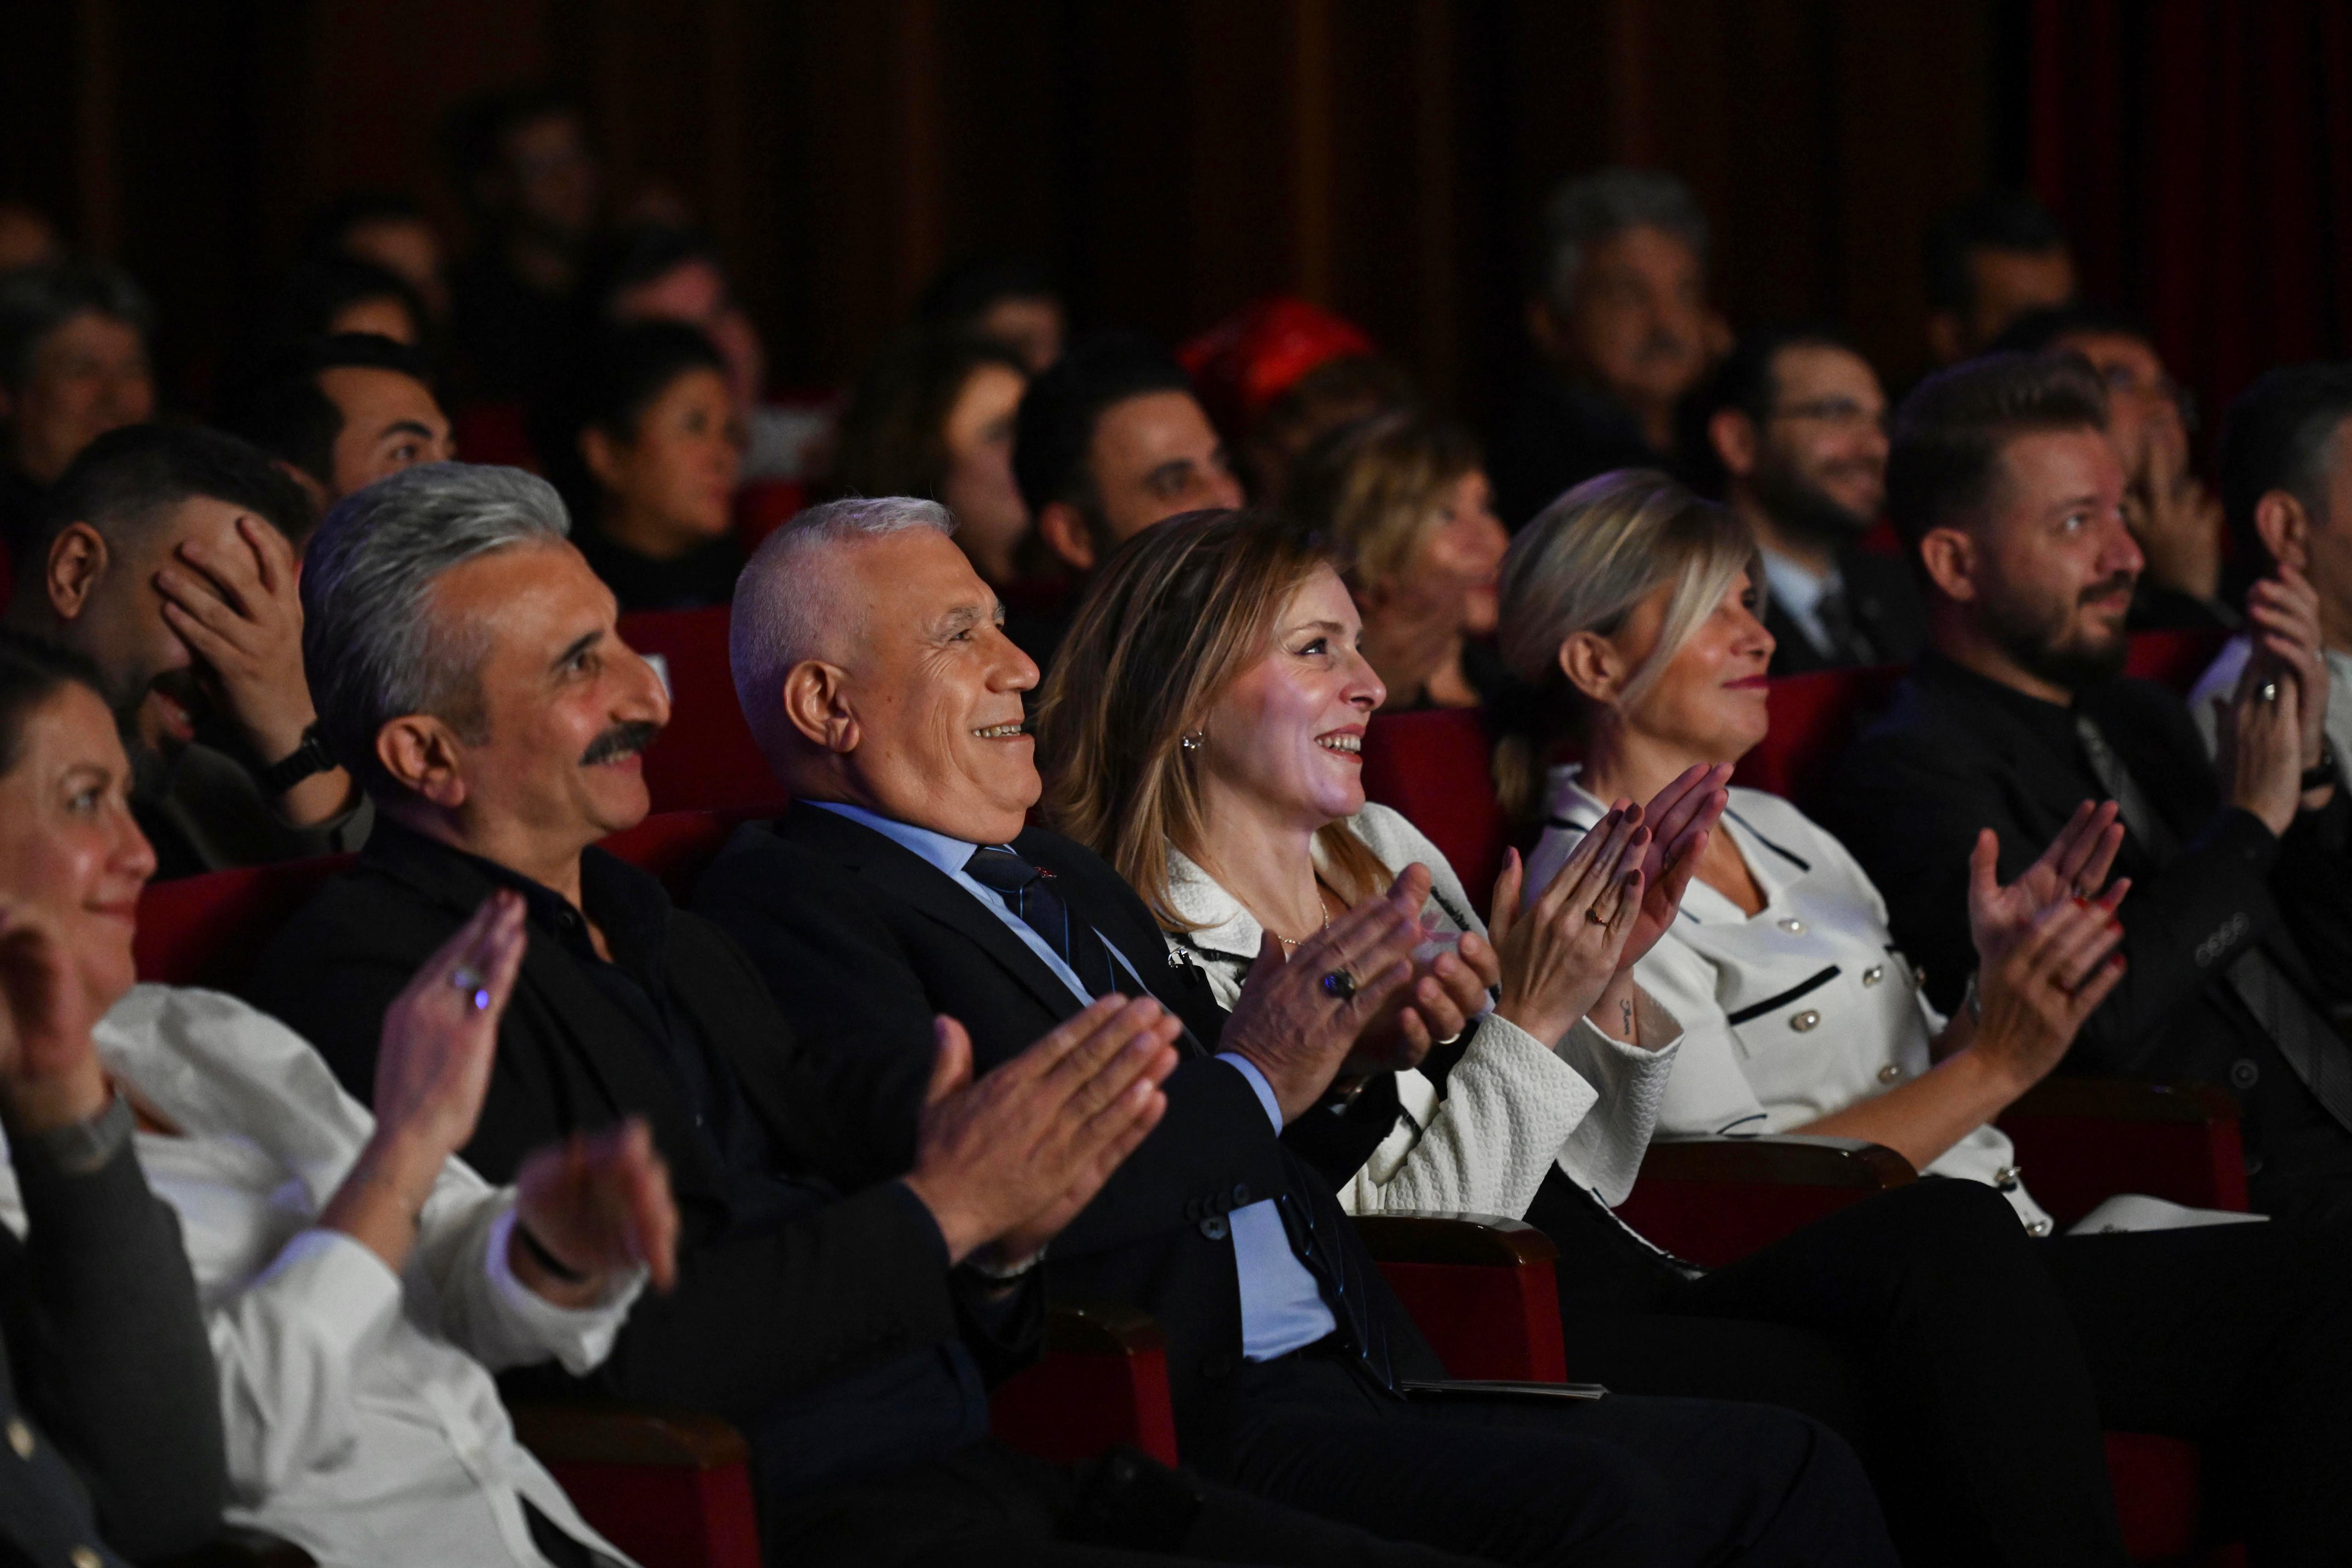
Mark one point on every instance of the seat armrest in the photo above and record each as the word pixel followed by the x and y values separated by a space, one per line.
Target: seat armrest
pixel 237 1547
pixel 2080 1141
pixel 1100 1328
pixel 1787 1158
pixel 1715 1200
pixel 1102 1381
pixel 591 1433
pixel 1482 1240
pixel 2126 1099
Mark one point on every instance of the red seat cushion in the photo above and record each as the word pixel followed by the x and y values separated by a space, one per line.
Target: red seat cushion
pixel 706 760
pixel 1813 717
pixel 1434 767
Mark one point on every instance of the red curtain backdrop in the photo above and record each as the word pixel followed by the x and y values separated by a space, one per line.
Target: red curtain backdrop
pixel 2199 152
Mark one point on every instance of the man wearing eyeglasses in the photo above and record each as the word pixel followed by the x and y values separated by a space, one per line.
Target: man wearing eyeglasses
pixel 1799 426
pixel 2174 518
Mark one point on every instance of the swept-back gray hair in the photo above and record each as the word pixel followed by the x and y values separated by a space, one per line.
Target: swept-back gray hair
pixel 788 602
pixel 370 646
pixel 1582 211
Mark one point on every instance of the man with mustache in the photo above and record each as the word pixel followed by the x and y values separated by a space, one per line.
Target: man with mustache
pixel 1622 325
pixel 1799 424
pixel 165 556
pixel 2010 498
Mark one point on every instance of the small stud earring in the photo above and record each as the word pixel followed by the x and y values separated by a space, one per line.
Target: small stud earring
pixel 1192 742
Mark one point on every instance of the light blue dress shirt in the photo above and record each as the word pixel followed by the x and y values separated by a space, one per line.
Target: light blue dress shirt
pixel 1282 1309
pixel 1796 589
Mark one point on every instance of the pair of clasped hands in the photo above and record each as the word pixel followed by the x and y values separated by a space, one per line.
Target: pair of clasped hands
pixel 1004 1161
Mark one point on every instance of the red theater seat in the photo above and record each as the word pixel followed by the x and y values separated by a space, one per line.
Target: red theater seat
pixel 763 505
pixel 1814 717
pixel 706 760
pixel 2173 658
pixel 1435 766
pixel 494 432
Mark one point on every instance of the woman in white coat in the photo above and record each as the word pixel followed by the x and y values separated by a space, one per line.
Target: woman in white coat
pixel 1630 608
pixel 358 1282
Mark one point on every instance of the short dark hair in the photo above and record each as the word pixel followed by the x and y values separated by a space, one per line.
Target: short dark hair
pixel 962 293
pixel 893 433
pixel 1745 378
pixel 37 300
pixel 281 408
pixel 122 481
pixel 2042 328
pixel 31 672
pixel 311 295
pixel 1056 429
pixel 1950 432
pixel 330 224
pixel 2280 436
pixel 639 253
pixel 627 368
pixel 1989 220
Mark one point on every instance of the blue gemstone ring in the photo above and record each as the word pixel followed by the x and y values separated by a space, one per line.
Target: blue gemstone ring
pixel 466 978
pixel 1339 983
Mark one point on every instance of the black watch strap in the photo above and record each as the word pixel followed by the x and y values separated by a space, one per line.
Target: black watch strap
pixel 2326 770
pixel 306 760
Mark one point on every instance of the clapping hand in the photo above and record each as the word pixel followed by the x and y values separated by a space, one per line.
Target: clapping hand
pixel 2037 994
pixel 1681 818
pixel 599 1203
pixel 1559 955
pixel 2074 866
pixel 2283 615
pixel 49 1073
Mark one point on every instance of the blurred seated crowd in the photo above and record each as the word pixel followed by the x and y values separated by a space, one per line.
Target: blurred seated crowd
pixel 1083 968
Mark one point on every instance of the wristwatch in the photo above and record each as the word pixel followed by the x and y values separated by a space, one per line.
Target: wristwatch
pixel 83 1148
pixel 306 760
pixel 2324 772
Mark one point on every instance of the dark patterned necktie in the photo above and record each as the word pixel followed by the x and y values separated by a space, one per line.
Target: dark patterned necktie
pixel 2310 1044
pixel 1028 891
pixel 1848 645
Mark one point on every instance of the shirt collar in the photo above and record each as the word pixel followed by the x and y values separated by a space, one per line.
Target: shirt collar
pixel 1794 585
pixel 628 905
pixel 949 855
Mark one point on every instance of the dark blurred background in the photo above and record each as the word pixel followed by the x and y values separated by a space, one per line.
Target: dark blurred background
pixel 1170 159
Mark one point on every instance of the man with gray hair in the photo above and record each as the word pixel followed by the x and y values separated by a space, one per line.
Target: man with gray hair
pixel 847 1316
pixel 1621 325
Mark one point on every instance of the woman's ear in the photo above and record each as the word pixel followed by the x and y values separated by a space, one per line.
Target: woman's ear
pixel 2285 529
pixel 1950 557
pixel 1594 666
pixel 603 455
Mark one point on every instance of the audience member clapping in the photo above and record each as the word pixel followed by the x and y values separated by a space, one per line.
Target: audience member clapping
pixel 166 556
pixel 107 1389
pixel 340 412
pixel 1206 737
pixel 646 445
pixel 356 1282
pixel 933 416
pixel 1404 499
pixel 73 366
pixel 2010 498
pixel 1797 423
pixel 904 878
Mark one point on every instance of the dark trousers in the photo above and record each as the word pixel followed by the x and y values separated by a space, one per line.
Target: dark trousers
pixel 1973 1366
pixel 1621 1480
pixel 993 1507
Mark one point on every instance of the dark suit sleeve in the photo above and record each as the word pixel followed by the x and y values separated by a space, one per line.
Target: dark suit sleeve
pixel 110 1352
pixel 1910 805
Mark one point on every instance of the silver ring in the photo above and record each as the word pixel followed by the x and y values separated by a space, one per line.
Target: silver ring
pixel 465 977
pixel 2266 693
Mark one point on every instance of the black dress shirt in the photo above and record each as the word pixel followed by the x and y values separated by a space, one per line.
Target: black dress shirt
pixel 1958 752
pixel 818 1313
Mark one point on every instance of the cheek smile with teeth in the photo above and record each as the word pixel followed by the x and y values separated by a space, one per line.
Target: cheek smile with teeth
pixel 1353 745
pixel 1001 731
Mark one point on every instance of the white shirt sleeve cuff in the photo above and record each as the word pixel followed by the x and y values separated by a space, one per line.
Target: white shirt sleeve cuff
pixel 580 1337
pixel 1257 1079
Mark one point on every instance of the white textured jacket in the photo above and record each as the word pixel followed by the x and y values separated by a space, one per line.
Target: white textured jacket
pixel 1513 1106
pixel 362 1425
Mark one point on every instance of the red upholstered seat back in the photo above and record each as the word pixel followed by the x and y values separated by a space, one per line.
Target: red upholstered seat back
pixel 706 760
pixel 763 505
pixel 1433 766
pixel 677 846
pixel 207 931
pixel 1813 718
pixel 494 432
pixel 2173 658
pixel 1486 1323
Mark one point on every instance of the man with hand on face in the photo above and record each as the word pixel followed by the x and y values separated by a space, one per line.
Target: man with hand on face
pixel 875 673
pixel 1622 326
pixel 340 412
pixel 166 556
pixel 2006 489
pixel 1799 426
pixel 845 1315
pixel 1109 440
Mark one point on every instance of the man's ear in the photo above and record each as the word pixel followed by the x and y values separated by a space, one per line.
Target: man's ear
pixel 1949 558
pixel 603 455
pixel 1733 436
pixel 2285 529
pixel 78 563
pixel 1946 338
pixel 1594 666
pixel 310 483
pixel 1547 329
pixel 1064 529
pixel 423 755
pixel 817 703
